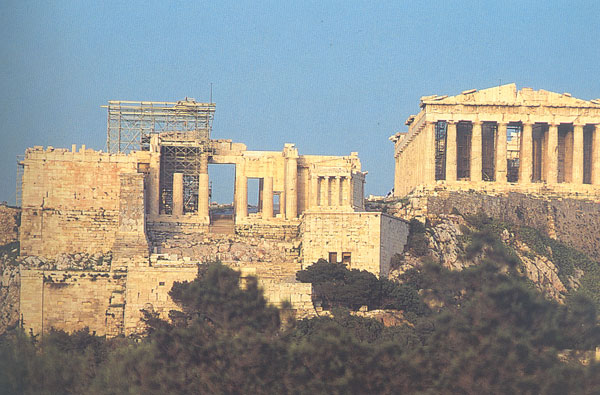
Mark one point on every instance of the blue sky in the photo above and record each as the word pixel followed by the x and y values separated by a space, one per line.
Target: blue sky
pixel 332 77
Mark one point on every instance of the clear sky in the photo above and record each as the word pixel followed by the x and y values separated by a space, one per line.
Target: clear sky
pixel 331 76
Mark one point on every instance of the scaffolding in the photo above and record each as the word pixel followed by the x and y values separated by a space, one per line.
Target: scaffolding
pixel 440 150
pixel 513 147
pixel 130 124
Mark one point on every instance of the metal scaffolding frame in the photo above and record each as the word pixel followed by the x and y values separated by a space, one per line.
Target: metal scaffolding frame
pixel 513 147
pixel 441 128
pixel 130 124
pixel 463 150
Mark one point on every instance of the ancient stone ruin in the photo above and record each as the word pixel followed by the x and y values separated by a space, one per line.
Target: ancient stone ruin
pixel 139 217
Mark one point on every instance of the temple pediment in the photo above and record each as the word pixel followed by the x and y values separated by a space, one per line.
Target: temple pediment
pixel 510 96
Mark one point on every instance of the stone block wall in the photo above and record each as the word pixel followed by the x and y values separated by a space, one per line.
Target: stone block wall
pixel 71 200
pixel 72 300
pixel 353 232
pixel 411 164
pixel 393 238
pixel 9 224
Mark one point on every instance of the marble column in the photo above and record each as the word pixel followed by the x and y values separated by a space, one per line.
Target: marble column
pixel 324 188
pixel 526 154
pixel 241 192
pixel 203 190
pixel 552 153
pixel 314 191
pixel 267 202
pixel 291 188
pixel 345 191
pixel 501 158
pixel 596 156
pixel 476 164
pixel 577 174
pixel 451 151
pixel 429 168
pixel 178 194
pixel 335 191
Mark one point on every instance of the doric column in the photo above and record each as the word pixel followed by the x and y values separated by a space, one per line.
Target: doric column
pixel 552 153
pixel 451 151
pixel 153 192
pixel 178 194
pixel 476 163
pixel 500 175
pixel 345 190
pixel 526 154
pixel 324 187
pixel 241 192
pixel 267 202
pixel 336 190
pixel 314 191
pixel 577 174
pixel 596 156
pixel 429 176
pixel 291 185
pixel 203 190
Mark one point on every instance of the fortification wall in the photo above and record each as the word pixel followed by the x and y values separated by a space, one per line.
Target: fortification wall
pixel 72 300
pixel 9 224
pixel 322 233
pixel 393 238
pixel 575 222
pixel 71 200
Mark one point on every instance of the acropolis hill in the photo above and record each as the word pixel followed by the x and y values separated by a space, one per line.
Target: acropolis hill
pixel 139 217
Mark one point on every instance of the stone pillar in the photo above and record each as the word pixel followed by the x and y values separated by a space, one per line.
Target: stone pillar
pixel 596 156
pixel 291 188
pixel 178 194
pixel 577 174
pixel 154 185
pixel 241 192
pixel 203 190
pixel 476 163
pixel 501 163
pixel 345 191
pixel 552 153
pixel 261 186
pixel 267 202
pixel 335 191
pixel 324 188
pixel 526 154
pixel 429 176
pixel 451 152
pixel 314 191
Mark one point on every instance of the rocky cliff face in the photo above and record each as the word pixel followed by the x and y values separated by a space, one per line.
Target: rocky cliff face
pixel 453 241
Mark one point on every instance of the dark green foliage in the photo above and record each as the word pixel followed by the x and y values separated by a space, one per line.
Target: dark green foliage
pixel 417 240
pixel 336 286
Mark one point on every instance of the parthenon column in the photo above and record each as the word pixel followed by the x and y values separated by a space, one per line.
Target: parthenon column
pixel 291 182
pixel 476 152
pixel 203 190
pixel 429 168
pixel 500 175
pixel 552 153
pixel 345 191
pixel 241 192
pixel 177 193
pixel 451 151
pixel 526 154
pixel 596 156
pixel 577 175
pixel 267 202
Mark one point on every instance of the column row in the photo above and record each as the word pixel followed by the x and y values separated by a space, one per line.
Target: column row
pixel 329 191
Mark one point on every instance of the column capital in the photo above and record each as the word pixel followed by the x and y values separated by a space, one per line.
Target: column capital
pixel 503 123
pixel 553 124
pixel 527 123
pixel 477 122
pixel 579 124
pixel 451 122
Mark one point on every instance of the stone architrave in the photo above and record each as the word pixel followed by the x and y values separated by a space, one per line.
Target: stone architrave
pixel 451 152
pixel 476 146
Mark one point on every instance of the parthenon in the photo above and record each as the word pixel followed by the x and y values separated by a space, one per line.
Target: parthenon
pixel 501 138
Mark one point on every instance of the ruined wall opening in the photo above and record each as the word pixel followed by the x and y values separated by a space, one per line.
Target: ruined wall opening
pixel 463 150
pixel 488 149
pixel 565 153
pixel 254 195
pixel 440 150
pixel 179 159
pixel 222 181
pixel 588 138
pixel 539 133
pixel 513 144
